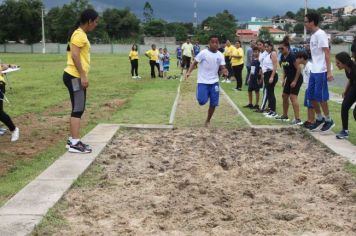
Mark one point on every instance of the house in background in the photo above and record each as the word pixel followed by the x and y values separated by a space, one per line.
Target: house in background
pixel 246 35
pixel 256 24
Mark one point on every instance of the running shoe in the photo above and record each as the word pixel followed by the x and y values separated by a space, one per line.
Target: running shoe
pixel 282 118
pixel 317 125
pixel 79 148
pixel 138 77
pixel 15 135
pixel 328 125
pixel 307 125
pixel 256 107
pixel 248 106
pixel 272 114
pixel 69 143
pixel 228 81
pixel 296 122
pixel 343 134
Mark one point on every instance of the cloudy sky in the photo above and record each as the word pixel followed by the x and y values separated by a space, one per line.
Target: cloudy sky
pixel 182 10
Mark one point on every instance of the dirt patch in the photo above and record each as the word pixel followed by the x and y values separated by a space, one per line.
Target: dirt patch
pixel 38 131
pixel 214 182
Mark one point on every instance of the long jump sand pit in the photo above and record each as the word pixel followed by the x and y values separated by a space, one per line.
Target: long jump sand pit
pixel 213 182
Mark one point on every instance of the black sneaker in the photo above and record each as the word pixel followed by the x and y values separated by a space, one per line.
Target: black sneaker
pixel 328 125
pixel 256 107
pixel 317 125
pixel 282 118
pixel 69 143
pixel 248 106
pixel 79 148
pixel 307 125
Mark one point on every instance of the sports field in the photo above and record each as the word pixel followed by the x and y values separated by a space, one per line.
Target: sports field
pixel 39 103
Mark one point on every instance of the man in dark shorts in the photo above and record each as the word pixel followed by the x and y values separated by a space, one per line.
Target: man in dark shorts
pixel 188 53
pixel 292 81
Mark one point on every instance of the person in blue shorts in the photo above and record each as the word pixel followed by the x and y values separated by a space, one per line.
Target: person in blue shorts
pixel 210 61
pixel 320 73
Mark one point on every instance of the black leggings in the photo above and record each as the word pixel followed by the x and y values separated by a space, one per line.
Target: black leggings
pixel 134 67
pixel 348 101
pixel 5 118
pixel 77 94
pixel 153 64
pixel 238 75
pixel 271 97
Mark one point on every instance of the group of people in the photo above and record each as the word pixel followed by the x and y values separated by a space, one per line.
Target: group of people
pixel 262 74
pixel 312 66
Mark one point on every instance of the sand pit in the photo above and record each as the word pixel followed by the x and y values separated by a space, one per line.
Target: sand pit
pixel 214 182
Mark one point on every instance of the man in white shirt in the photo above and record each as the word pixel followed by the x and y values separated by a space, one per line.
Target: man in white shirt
pixel 320 74
pixel 210 61
pixel 187 52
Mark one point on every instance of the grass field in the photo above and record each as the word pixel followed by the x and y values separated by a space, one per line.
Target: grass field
pixel 39 105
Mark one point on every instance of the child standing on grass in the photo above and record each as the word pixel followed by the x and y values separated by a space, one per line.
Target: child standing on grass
pixel 303 58
pixel 160 62
pixel 4 117
pixel 133 57
pixel 255 79
pixel 75 76
pixel 165 63
pixel 210 61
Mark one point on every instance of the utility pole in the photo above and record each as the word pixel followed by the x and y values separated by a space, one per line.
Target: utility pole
pixel 43 33
pixel 195 15
pixel 305 13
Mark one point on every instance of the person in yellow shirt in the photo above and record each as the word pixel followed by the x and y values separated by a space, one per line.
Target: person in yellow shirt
pixel 237 63
pixel 133 57
pixel 153 56
pixel 4 117
pixel 75 76
pixel 227 54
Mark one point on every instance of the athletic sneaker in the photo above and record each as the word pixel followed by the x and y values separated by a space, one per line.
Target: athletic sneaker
pixel 2 131
pixel 268 113
pixel 138 77
pixel 79 148
pixel 317 125
pixel 296 122
pixel 328 125
pixel 307 125
pixel 248 106
pixel 223 81
pixel 134 77
pixel 69 143
pixel 272 114
pixel 228 81
pixel 256 107
pixel 342 134
pixel 15 135
pixel 282 118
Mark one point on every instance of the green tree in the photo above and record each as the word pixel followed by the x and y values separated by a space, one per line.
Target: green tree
pixel 121 23
pixel 265 35
pixel 299 28
pixel 290 15
pixel 156 28
pixel 147 12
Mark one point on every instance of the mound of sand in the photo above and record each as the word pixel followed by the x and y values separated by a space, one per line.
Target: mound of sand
pixel 215 182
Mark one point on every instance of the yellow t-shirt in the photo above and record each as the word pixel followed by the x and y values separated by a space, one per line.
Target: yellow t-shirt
pixel 79 38
pixel 228 51
pixel 237 61
pixel 133 55
pixel 152 54
pixel 2 78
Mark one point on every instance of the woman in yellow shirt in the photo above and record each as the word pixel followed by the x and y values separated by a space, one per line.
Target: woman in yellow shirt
pixel 133 56
pixel 237 63
pixel 5 118
pixel 153 56
pixel 75 75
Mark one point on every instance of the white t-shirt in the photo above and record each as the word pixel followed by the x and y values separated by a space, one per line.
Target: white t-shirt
pixel 306 73
pixel 267 63
pixel 187 49
pixel 318 41
pixel 209 64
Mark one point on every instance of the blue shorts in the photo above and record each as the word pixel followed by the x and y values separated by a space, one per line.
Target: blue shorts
pixel 206 91
pixel 318 87
pixel 307 101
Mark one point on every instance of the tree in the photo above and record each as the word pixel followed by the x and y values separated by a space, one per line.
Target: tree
pixel 155 28
pixel 222 25
pixel 147 12
pixel 121 23
pixel 299 28
pixel 265 35
pixel 290 15
pixel 288 27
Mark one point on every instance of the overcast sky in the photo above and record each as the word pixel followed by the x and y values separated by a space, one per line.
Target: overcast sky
pixel 182 10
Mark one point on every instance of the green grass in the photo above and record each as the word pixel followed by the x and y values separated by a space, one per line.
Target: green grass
pixel 39 86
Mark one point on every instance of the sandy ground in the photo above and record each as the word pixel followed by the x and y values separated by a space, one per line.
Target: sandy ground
pixel 214 182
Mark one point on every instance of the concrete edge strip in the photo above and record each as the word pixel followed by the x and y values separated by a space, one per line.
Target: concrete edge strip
pixel 235 107
pixel 175 104
pixel 24 223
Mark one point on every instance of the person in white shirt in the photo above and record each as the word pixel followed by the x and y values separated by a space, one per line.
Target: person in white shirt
pixel 210 61
pixel 187 52
pixel 303 58
pixel 321 73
